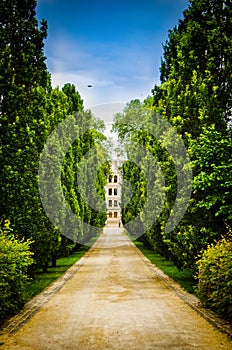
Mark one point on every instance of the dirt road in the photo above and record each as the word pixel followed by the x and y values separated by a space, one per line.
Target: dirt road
pixel 115 301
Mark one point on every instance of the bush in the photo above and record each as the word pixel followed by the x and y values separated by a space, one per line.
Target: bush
pixel 215 278
pixel 15 257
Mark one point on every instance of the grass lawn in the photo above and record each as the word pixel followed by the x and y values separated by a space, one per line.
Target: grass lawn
pixel 42 280
pixel 184 277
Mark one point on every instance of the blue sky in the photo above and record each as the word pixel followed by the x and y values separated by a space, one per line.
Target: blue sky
pixel 114 45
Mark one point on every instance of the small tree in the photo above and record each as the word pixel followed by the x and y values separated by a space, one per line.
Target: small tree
pixel 15 257
pixel 215 278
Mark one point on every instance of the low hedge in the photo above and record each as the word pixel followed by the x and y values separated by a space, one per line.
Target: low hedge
pixel 215 278
pixel 15 257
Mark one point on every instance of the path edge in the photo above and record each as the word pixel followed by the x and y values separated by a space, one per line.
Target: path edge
pixel 190 299
pixel 14 323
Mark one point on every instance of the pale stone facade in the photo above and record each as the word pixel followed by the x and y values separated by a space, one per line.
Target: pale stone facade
pixel 113 195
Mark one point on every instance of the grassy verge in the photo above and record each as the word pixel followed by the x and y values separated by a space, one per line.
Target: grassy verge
pixel 42 280
pixel 183 277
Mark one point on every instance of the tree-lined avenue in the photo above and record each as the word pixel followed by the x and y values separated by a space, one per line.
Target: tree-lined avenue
pixel 115 301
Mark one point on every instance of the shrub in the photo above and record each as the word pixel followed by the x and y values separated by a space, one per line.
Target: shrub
pixel 15 257
pixel 215 278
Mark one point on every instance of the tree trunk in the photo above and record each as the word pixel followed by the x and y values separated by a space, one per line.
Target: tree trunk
pixel 45 267
pixel 53 262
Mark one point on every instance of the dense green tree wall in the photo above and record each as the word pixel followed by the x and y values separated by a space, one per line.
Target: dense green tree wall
pixel 195 98
pixel 15 257
pixel 30 110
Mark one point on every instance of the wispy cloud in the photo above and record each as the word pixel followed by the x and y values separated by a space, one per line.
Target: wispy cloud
pixel 115 46
pixel 117 73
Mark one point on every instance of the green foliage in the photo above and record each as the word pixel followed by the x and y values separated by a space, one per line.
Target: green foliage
pixel 136 178
pixel 22 65
pixel 24 104
pixel 30 110
pixel 210 206
pixel 215 277
pixel 74 100
pixel 196 66
pixel 84 176
pixel 147 140
pixel 15 257
pixel 211 160
pixel 195 97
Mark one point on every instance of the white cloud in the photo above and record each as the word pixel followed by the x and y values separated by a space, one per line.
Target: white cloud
pixel 107 111
pixel 116 73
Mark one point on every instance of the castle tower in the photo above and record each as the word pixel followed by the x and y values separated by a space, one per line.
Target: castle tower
pixel 113 195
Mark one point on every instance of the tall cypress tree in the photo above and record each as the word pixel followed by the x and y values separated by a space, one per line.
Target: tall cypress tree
pixel 24 82
pixel 22 70
pixel 195 95
pixel 29 111
pixel 196 68
pixel 22 59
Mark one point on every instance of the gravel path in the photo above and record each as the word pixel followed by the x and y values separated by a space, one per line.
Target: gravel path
pixel 113 298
